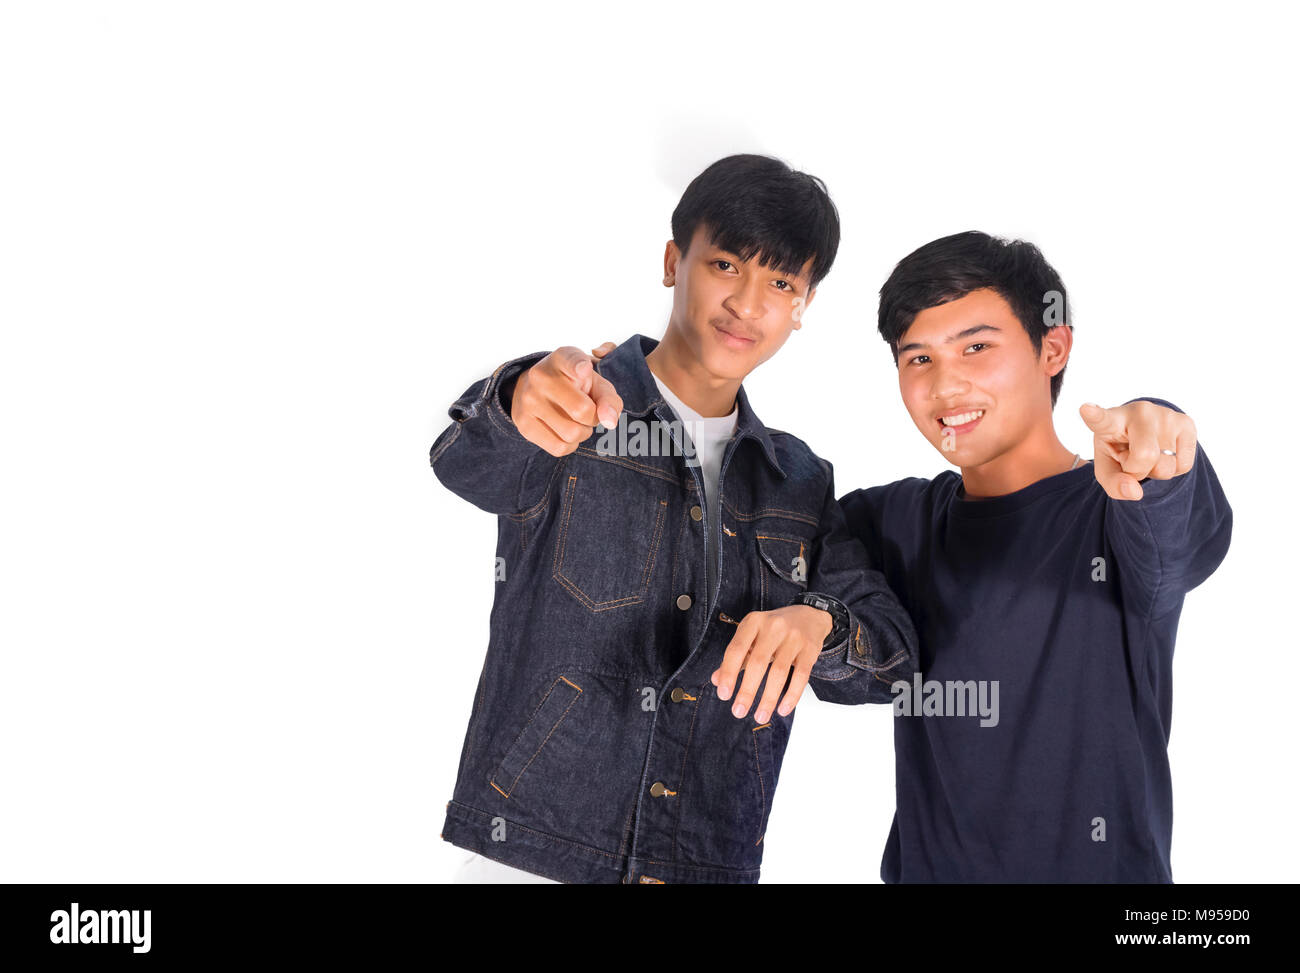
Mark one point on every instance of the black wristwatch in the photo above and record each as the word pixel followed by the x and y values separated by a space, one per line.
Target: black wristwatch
pixel 840 628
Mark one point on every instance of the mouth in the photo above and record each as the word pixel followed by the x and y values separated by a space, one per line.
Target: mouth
pixel 732 339
pixel 959 423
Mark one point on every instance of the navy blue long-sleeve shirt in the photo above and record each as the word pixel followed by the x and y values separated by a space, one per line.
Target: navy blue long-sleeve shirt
pixel 1060 606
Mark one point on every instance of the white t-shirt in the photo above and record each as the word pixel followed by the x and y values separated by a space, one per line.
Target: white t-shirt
pixel 478 870
pixel 709 438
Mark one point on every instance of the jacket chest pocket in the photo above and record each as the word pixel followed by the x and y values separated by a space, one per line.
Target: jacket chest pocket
pixel 782 568
pixel 608 539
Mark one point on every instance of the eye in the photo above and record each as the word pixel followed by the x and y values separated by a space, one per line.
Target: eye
pixel 978 344
pixel 918 358
pixel 788 285
pixel 727 262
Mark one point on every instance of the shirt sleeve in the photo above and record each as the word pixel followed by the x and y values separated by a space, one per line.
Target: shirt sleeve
pixel 482 457
pixel 880 645
pixel 1172 539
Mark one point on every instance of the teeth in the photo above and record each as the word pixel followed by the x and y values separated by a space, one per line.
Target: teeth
pixel 962 419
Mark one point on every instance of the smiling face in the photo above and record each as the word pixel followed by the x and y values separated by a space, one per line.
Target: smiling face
pixel 732 315
pixel 971 380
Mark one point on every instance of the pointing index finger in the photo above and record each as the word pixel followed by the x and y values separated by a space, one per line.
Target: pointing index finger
pixel 1100 420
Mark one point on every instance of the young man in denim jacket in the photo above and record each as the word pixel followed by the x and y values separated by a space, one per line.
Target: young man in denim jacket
pixel 601 746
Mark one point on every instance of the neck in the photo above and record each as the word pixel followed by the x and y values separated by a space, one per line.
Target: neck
pixel 673 364
pixel 1034 458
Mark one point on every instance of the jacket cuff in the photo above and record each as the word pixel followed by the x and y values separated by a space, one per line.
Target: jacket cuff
pixel 850 653
pixel 484 399
pixel 489 395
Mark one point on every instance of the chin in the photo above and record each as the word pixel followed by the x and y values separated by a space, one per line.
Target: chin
pixel 961 456
pixel 729 366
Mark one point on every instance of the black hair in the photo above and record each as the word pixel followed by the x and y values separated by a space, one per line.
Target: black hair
pixel 950 268
pixel 754 204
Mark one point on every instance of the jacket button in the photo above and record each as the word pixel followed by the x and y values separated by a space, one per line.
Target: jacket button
pixel 678 694
pixel 683 602
pixel 697 513
pixel 657 789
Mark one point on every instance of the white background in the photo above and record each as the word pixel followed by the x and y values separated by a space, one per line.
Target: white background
pixel 250 252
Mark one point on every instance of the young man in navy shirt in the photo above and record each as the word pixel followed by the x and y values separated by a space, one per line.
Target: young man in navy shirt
pixel 1045 584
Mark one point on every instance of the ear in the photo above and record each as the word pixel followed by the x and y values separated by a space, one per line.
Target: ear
pixel 671 257
pixel 1056 348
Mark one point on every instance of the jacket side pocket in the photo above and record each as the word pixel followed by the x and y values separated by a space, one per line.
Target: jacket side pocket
pixel 550 713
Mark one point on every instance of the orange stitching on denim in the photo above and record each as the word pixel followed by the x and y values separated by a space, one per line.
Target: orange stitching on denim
pixel 492 779
pixel 558 557
pixel 770 511
pixel 763 557
pixel 654 545
pixel 647 880
pixel 698 868
pixel 762 789
pixel 681 773
pixel 490 410
pixel 557 560
pixel 630 464
pixel 872 668
pixel 596 606
pixel 433 459
pixel 729 533
pixel 524 729
pixel 542 834
pixel 543 743
pixel 541 504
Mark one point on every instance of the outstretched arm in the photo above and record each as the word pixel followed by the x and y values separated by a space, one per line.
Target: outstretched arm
pixel 509 428
pixel 1167 518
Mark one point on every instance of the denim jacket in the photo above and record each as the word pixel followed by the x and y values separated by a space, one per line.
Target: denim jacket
pixel 597 748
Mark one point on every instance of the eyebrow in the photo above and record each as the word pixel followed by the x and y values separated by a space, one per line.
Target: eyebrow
pixel 912 345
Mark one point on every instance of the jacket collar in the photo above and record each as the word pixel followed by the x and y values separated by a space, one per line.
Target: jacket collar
pixel 626 369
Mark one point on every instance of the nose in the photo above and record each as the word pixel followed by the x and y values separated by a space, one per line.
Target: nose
pixel 747 301
pixel 947 382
